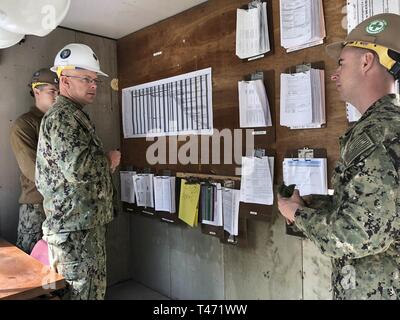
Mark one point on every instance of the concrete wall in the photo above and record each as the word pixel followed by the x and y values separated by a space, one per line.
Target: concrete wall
pixel 17 64
pixel 183 263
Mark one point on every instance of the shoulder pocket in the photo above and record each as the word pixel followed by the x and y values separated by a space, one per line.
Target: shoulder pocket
pixel 359 149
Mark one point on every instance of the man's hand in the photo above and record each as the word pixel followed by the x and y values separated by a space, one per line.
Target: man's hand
pixel 289 206
pixel 114 158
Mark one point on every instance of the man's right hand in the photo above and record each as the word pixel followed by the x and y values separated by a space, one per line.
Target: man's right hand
pixel 114 158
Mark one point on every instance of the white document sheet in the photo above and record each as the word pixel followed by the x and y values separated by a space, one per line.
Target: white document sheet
pixel 127 187
pixel 253 105
pixel 257 180
pixel 230 208
pixel 302 24
pixel 179 105
pixel 164 193
pixel 309 176
pixel 303 99
pixel 252 38
pixel 144 190
pixel 218 214
pixel 296 99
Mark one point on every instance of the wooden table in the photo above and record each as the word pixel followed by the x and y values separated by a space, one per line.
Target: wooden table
pixel 23 277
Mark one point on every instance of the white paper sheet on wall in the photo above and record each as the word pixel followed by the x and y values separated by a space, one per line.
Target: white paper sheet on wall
pixel 254 108
pixel 309 176
pixel 252 38
pixel 302 24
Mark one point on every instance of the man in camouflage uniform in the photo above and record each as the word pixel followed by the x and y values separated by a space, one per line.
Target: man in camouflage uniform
pixel 24 139
pixel 74 176
pixel 358 227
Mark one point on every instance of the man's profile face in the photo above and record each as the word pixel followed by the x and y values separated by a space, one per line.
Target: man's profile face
pixel 82 86
pixel 347 74
pixel 45 96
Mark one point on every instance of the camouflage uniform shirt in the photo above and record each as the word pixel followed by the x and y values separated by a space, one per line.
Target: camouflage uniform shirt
pixel 72 171
pixel 358 227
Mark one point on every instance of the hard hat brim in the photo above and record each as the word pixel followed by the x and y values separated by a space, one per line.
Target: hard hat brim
pixel 334 49
pixel 99 72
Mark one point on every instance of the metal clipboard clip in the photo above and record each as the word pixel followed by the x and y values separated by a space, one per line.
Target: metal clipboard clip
pixel 300 68
pixel 305 153
pixel 254 4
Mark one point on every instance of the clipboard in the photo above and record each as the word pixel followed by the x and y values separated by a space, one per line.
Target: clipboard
pixel 265 136
pixel 254 211
pixel 302 153
pixel 270 29
pixel 304 67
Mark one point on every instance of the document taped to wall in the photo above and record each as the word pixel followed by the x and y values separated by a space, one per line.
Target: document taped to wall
pixel 178 105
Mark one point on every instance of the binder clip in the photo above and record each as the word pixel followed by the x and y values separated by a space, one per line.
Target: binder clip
pixel 258 75
pixel 306 154
pixel 259 153
pixel 304 67
pixel 146 171
pixel 229 184
pixel 254 4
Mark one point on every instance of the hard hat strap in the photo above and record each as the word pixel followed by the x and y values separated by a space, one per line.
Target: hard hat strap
pixel 36 84
pixel 382 52
pixel 61 69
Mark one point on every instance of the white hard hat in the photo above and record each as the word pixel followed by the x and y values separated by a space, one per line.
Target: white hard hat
pixel 77 56
pixel 8 39
pixel 38 17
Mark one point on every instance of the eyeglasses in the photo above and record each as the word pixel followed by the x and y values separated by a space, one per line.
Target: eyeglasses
pixel 86 79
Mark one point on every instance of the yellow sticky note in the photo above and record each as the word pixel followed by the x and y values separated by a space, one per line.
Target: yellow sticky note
pixel 189 203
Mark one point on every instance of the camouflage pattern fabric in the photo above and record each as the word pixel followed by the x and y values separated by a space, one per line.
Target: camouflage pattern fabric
pixel 31 217
pixel 72 171
pixel 80 257
pixel 358 227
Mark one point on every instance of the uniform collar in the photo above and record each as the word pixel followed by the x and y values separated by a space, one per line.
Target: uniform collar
pixel 36 112
pixel 387 99
pixel 375 107
pixel 64 99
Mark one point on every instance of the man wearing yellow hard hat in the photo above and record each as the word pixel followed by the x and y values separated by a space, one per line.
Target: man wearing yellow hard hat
pixel 74 177
pixel 24 135
pixel 359 226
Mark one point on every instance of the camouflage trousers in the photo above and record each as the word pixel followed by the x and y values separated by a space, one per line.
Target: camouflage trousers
pixel 31 217
pixel 80 257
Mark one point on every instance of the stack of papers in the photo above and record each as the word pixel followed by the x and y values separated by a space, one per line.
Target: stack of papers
pixel 309 175
pixel 302 24
pixel 127 186
pixel 164 193
pixel 303 99
pixel 256 184
pixel 253 105
pixel 211 204
pixel 252 37
pixel 230 208
pixel 357 12
pixel 144 191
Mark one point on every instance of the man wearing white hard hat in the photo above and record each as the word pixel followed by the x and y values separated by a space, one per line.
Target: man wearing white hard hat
pixel 359 226
pixel 73 174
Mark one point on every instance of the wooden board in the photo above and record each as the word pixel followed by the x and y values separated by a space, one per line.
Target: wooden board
pixel 23 277
pixel 203 37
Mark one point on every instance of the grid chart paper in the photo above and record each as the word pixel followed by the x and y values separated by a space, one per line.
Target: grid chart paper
pixel 180 105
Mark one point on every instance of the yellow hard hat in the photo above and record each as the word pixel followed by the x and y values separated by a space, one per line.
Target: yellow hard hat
pixel 379 33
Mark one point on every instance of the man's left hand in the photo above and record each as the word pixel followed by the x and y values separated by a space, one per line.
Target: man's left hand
pixel 289 206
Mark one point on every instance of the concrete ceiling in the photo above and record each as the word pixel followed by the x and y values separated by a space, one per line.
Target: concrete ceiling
pixel 118 18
